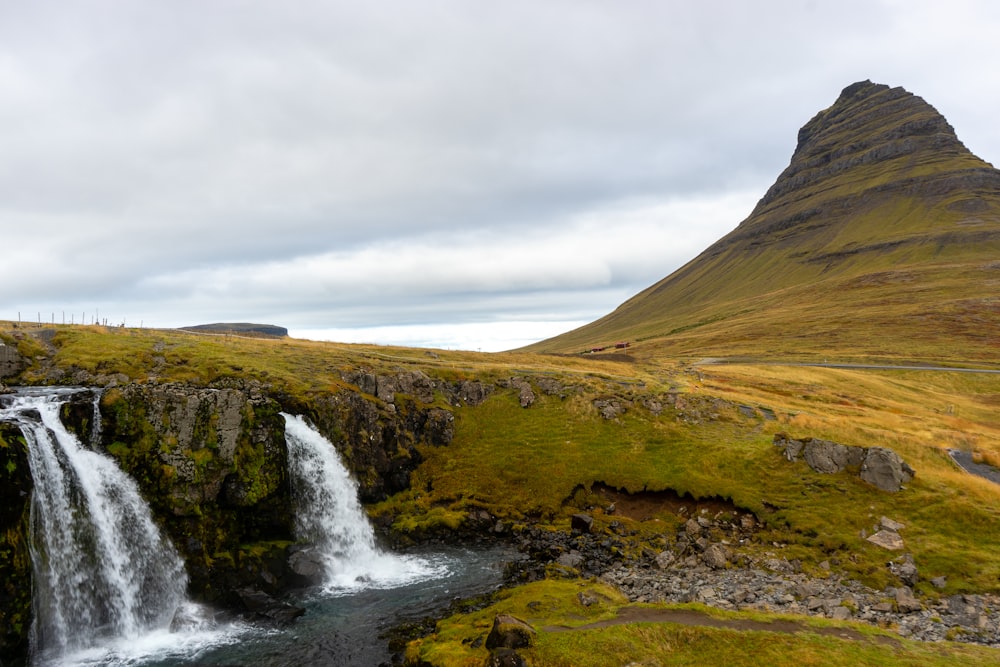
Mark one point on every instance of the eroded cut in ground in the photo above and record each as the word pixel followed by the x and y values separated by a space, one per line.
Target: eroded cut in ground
pixel 646 505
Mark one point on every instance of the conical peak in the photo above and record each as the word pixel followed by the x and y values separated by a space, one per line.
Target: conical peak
pixel 871 127
pixel 869 113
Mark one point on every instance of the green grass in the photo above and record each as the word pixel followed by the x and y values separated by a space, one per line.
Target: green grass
pixel 555 610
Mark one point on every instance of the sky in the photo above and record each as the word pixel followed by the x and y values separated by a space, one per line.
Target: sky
pixel 449 174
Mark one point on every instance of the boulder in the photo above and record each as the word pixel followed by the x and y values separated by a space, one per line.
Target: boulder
pixel 883 468
pixel 306 565
pixel 665 559
pixel 716 556
pixel 473 392
pixel 510 632
pixel 264 608
pixel 887 539
pixel 830 457
pixel 581 522
pixel 879 466
pixel 526 396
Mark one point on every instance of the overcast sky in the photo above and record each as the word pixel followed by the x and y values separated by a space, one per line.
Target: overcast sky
pixel 456 174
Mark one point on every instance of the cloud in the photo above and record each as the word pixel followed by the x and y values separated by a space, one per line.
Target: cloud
pixel 389 163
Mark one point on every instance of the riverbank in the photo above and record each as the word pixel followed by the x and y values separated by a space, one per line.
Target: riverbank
pixel 717 574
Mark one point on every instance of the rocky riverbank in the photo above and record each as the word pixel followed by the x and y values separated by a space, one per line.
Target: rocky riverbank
pixel 699 567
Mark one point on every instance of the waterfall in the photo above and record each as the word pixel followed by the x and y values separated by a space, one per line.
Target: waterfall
pixel 330 517
pixel 102 571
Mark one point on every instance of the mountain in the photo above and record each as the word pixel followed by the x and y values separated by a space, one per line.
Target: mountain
pixel 240 328
pixel 880 240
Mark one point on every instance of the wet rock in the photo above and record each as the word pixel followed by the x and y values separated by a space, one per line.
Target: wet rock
pixel 306 565
pixel 261 607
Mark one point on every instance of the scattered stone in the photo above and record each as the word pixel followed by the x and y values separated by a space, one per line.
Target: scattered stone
pixel 887 539
pixel 665 559
pixel 888 524
pixel 830 457
pixel 840 613
pixel 905 601
pixel 939 582
pixel 570 559
pixel 505 657
pixel 526 395
pixel 610 408
pixel 716 556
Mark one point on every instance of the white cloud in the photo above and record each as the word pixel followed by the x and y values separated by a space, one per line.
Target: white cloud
pixel 388 163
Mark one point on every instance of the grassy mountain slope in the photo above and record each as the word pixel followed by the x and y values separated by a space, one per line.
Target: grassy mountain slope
pixel 880 240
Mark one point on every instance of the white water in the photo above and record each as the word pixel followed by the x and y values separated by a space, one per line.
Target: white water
pixel 329 516
pixel 107 585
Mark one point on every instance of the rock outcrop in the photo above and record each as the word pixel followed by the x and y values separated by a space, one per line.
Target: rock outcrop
pixel 15 558
pixel 11 361
pixel 213 465
pixel 877 466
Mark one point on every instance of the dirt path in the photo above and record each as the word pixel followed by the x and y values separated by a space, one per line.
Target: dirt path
pixel 697 618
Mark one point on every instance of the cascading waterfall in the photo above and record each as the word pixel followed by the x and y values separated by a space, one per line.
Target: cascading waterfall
pixel 102 571
pixel 329 516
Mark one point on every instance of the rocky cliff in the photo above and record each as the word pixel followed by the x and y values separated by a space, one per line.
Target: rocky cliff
pixel 15 558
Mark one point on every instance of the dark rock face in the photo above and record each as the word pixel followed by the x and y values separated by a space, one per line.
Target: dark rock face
pixel 212 463
pixel 873 124
pixel 15 559
pixel 378 440
pixel 11 361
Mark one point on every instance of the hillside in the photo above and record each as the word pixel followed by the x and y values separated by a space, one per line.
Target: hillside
pixel 878 241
